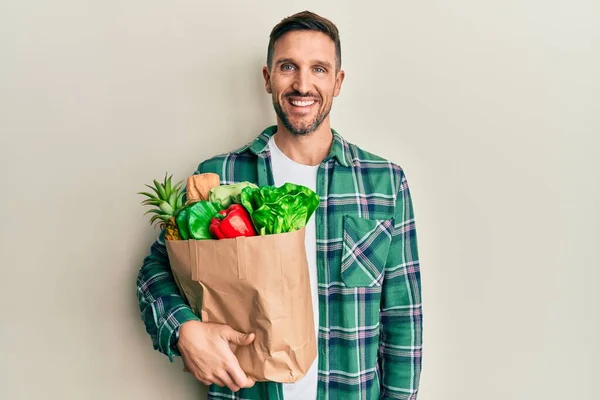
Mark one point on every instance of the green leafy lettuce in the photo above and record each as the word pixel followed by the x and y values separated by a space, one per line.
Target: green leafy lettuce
pixel 226 195
pixel 280 209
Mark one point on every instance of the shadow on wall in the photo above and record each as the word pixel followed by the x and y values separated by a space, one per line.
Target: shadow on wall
pixel 252 105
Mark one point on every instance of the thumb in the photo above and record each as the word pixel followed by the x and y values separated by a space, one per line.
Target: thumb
pixel 240 338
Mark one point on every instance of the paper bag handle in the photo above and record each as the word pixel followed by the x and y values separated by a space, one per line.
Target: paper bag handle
pixel 240 243
pixel 193 259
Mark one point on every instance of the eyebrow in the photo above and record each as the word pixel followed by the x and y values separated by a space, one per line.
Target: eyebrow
pixel 326 64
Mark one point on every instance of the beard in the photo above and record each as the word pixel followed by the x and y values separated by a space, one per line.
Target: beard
pixel 300 129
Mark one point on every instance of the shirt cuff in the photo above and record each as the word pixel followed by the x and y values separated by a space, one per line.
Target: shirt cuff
pixel 169 331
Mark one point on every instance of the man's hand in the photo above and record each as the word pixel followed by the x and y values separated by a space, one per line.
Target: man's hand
pixel 207 352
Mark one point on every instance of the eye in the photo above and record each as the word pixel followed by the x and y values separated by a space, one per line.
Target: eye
pixel 319 69
pixel 287 67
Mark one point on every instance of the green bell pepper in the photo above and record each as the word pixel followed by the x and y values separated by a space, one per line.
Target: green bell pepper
pixel 193 220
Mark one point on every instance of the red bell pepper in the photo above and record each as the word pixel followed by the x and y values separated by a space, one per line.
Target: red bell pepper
pixel 232 222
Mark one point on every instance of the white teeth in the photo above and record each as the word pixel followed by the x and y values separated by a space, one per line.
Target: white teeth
pixel 302 103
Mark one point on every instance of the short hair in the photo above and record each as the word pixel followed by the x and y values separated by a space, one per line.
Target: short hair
pixel 305 21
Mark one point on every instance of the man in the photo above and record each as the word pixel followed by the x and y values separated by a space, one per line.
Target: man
pixel 361 243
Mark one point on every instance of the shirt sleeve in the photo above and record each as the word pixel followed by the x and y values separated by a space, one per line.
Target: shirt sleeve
pixel 163 308
pixel 401 316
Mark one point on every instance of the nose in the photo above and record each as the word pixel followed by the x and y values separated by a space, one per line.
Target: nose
pixel 302 81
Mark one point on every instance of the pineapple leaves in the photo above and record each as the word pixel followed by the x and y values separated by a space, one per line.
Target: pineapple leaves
pixel 160 189
pixel 157 195
pixel 179 202
pixel 177 187
pixel 150 202
pixel 173 200
pixel 155 211
pixel 158 217
pixel 168 184
pixel 165 198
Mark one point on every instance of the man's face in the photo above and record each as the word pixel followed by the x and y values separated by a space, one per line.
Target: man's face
pixel 303 80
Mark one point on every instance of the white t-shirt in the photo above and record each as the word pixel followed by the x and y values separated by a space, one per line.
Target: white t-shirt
pixel 287 170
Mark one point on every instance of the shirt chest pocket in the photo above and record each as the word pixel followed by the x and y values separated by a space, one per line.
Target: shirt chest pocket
pixel 365 247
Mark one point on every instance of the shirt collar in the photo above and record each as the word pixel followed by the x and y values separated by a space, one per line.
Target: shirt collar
pixel 338 151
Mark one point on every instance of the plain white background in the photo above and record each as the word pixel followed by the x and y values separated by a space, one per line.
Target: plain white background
pixel 491 107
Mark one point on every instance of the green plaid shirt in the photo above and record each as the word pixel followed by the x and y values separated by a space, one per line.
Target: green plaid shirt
pixel 370 318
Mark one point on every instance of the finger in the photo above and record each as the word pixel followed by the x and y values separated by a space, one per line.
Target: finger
pixel 226 379
pixel 199 378
pixel 246 339
pixel 237 337
pixel 249 383
pixel 204 381
pixel 235 372
pixel 217 381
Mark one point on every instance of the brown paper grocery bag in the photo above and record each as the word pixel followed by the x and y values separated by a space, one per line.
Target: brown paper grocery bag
pixel 254 284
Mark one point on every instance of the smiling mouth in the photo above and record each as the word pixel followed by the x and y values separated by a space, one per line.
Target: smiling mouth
pixel 302 103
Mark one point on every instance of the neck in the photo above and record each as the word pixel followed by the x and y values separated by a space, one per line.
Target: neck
pixel 308 149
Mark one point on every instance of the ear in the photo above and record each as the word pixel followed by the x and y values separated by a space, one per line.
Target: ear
pixel 339 79
pixel 267 78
